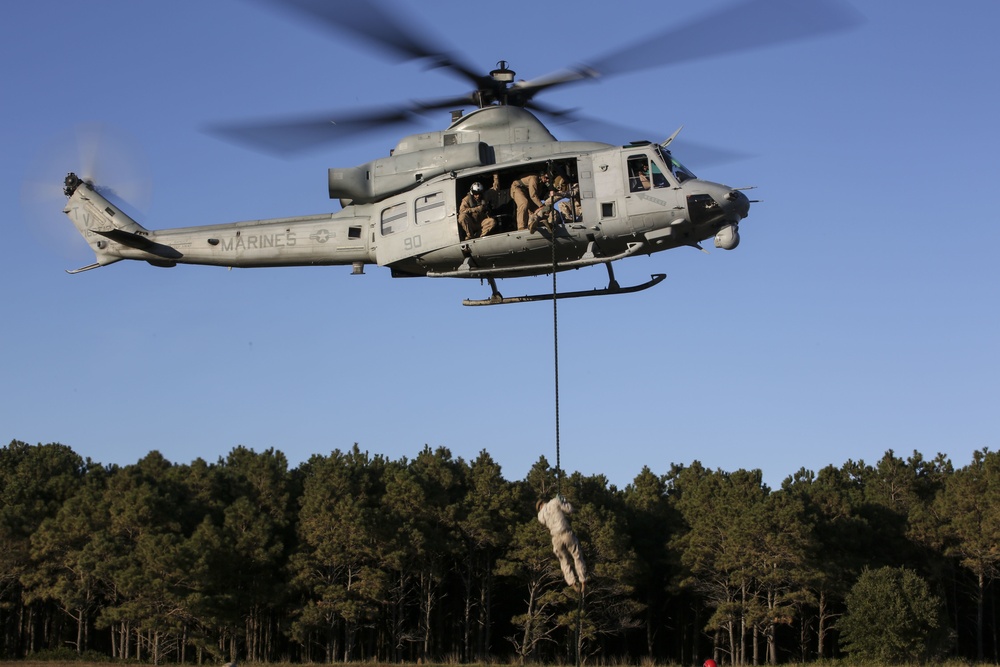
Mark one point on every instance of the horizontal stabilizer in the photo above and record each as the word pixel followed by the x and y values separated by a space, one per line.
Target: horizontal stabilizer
pixel 139 242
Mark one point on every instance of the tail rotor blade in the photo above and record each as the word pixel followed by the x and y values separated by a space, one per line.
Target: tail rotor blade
pixel 108 157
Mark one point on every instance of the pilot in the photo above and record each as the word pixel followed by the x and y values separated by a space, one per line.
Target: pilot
pixel 640 179
pixel 528 194
pixel 475 214
pixel 552 515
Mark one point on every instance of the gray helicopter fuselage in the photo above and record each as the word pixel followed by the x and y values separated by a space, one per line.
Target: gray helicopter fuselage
pixel 402 211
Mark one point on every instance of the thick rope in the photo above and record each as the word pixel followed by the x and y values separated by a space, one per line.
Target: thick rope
pixel 559 471
pixel 579 624
pixel 555 356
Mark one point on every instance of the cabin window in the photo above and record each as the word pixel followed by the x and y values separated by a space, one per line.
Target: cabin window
pixel 608 209
pixel 430 208
pixel 393 218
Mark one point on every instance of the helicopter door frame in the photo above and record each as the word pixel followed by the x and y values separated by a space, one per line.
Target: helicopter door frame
pixel 588 187
pixel 647 195
pixel 414 224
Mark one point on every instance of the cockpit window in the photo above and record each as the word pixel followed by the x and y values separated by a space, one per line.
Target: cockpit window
pixel 680 172
pixel 638 173
pixel 644 173
pixel 659 180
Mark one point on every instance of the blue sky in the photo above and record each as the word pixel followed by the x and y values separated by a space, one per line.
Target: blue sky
pixel 859 314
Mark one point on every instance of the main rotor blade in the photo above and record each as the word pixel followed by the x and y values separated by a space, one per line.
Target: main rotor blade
pixel 294 134
pixel 692 153
pixel 377 26
pixel 743 26
pixel 286 135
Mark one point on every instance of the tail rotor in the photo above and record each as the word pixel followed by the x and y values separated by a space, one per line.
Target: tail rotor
pixel 108 158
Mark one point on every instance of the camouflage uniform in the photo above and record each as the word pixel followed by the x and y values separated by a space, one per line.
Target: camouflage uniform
pixel 570 208
pixel 474 214
pixel 528 194
pixel 566 547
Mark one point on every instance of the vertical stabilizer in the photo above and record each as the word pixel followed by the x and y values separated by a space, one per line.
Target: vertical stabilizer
pixel 103 225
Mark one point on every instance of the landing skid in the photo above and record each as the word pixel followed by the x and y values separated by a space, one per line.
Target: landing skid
pixel 613 288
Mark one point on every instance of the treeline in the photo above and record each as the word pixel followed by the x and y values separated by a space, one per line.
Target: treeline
pixel 352 556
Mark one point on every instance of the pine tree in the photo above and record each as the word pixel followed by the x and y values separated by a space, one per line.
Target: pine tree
pixel 968 512
pixel 892 617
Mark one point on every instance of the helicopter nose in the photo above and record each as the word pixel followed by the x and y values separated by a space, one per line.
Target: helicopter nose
pixel 737 207
pixel 739 203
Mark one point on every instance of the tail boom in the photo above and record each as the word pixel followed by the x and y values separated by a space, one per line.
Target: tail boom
pixel 313 240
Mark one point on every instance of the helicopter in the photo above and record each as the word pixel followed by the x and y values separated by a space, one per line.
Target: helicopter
pixel 603 202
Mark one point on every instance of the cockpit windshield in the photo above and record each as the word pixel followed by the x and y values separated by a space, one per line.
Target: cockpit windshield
pixel 680 172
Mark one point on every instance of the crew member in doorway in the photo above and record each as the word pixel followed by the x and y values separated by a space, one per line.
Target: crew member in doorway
pixel 568 204
pixel 475 214
pixel 547 214
pixel 552 515
pixel 528 194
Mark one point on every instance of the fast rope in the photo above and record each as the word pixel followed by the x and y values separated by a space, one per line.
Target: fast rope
pixel 555 356
pixel 559 471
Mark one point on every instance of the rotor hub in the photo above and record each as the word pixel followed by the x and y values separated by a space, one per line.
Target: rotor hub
pixel 502 74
